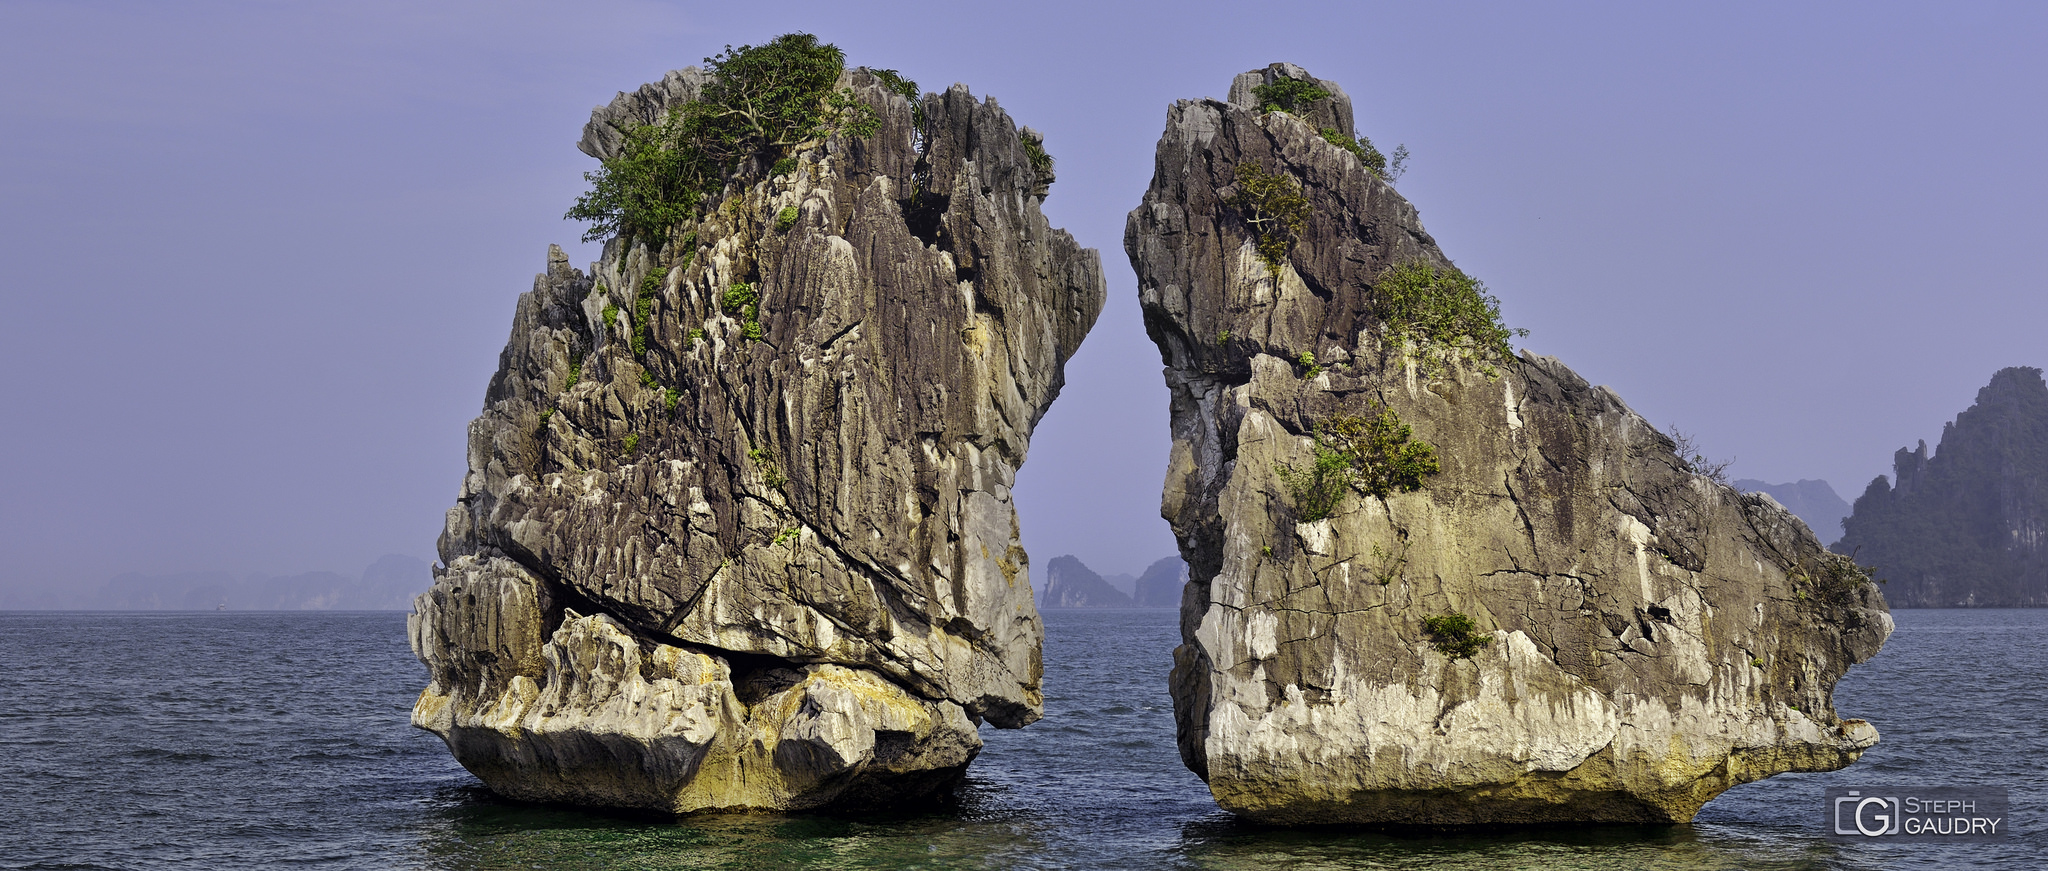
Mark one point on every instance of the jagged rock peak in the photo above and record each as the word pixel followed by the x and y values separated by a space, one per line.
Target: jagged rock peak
pixel 737 529
pixel 1966 527
pixel 1560 621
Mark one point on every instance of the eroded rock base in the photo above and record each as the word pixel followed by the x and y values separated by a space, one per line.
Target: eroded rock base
pixel 576 709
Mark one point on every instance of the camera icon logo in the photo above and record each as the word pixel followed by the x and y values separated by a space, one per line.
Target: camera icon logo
pixel 1870 816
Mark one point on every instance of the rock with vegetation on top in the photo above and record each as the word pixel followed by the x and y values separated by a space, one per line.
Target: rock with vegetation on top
pixel 737 529
pixel 1432 583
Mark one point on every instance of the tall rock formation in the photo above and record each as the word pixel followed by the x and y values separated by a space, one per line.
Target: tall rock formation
pixel 737 529
pixel 1641 637
pixel 1069 583
pixel 1968 526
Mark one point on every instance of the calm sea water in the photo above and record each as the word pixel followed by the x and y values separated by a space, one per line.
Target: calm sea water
pixel 280 740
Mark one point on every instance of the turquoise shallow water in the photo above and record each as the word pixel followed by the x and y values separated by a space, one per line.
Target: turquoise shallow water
pixel 280 740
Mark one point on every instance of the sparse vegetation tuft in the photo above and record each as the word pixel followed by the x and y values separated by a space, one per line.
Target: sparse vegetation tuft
pixel 1378 455
pixel 759 102
pixel 743 302
pixel 1376 163
pixel 1833 580
pixel 1309 367
pixel 1446 313
pixel 1694 459
pixel 1272 205
pixel 771 473
pixel 785 219
pixel 1287 95
pixel 1455 635
pixel 1041 162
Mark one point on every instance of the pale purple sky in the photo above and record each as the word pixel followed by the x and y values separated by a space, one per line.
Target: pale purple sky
pixel 261 256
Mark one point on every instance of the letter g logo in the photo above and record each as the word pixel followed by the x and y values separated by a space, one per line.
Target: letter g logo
pixel 1884 822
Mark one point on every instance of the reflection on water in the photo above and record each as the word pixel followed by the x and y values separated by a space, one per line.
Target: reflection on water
pixel 210 741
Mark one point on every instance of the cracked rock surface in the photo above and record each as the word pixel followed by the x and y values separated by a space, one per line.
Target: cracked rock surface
pixel 692 568
pixel 1653 637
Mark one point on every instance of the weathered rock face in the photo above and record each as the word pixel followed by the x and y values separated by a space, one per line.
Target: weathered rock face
pixel 1655 637
pixel 690 569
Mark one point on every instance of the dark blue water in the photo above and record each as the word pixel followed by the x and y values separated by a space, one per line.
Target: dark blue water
pixel 280 740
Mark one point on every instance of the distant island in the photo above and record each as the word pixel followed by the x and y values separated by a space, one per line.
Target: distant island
pixel 1812 499
pixel 389 584
pixel 1069 583
pixel 1968 526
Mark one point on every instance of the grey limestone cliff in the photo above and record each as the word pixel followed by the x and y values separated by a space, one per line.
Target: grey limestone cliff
pixel 720 554
pixel 1645 636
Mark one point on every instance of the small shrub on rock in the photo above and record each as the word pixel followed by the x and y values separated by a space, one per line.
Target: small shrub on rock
pixel 1287 95
pixel 1378 455
pixel 1272 205
pixel 1455 635
pixel 743 302
pixel 1448 314
pixel 760 101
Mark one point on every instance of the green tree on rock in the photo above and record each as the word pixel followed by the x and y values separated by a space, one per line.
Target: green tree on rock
pixel 758 102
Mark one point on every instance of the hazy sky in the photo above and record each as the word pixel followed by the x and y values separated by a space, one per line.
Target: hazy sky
pixel 261 256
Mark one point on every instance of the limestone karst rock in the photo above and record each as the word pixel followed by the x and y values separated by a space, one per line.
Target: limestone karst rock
pixel 1161 584
pixel 1646 637
pixel 1069 583
pixel 1967 527
pixel 737 529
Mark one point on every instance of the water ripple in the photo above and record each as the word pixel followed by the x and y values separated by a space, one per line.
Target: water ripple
pixel 280 740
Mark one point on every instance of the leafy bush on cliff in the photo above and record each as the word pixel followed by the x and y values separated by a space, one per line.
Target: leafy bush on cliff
pixel 1378 455
pixel 743 301
pixel 1041 162
pixel 1832 580
pixel 1455 635
pixel 1271 204
pixel 759 101
pixel 1446 313
pixel 1287 95
pixel 1380 165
